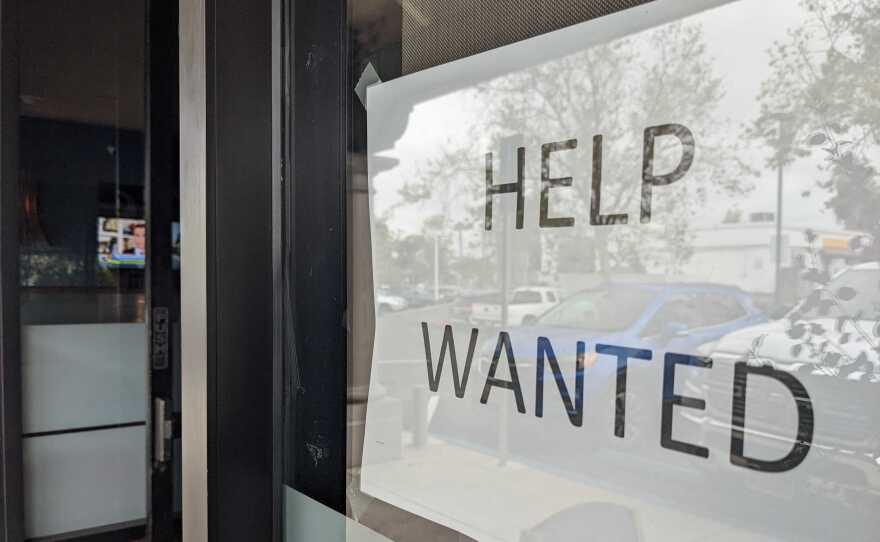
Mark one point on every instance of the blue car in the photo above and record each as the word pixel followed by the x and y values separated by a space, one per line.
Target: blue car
pixel 659 317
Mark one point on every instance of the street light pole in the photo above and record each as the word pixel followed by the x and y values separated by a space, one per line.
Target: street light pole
pixel 780 166
pixel 778 289
pixel 437 268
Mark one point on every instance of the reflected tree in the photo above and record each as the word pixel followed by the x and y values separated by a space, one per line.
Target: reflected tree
pixel 616 90
pixel 826 79
pixel 836 328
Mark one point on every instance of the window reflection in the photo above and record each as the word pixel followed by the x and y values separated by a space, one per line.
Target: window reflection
pixel 82 267
pixel 744 308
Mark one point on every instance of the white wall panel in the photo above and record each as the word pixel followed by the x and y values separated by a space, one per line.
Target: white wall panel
pixel 84 480
pixel 83 375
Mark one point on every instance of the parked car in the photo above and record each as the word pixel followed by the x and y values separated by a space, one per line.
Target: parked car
pixel 524 306
pixel 422 296
pixel 462 308
pixel 387 302
pixel 656 316
pixel 829 342
pixel 417 297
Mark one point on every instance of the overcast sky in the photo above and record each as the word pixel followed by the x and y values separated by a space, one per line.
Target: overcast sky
pixel 738 36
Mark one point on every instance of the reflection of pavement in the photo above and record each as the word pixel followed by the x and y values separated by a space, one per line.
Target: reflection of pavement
pixel 462 504
pixel 307 519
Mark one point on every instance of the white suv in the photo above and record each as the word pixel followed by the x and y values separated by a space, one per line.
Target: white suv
pixel 525 305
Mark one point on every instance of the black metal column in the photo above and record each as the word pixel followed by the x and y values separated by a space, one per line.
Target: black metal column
pixel 242 116
pixel 317 144
pixel 11 496
pixel 163 289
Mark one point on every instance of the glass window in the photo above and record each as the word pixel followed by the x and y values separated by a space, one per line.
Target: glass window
pixel 683 174
pixel 83 266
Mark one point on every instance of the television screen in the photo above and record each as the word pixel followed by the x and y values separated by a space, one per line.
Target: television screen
pixel 121 243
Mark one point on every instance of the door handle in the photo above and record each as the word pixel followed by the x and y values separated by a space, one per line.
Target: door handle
pixel 163 432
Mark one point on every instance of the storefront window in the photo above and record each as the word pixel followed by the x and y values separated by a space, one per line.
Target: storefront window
pixel 612 271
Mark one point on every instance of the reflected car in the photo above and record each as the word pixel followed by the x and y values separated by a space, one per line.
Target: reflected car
pixel 425 296
pixel 525 305
pixel 462 308
pixel 655 316
pixel 417 297
pixel 387 302
pixel 829 343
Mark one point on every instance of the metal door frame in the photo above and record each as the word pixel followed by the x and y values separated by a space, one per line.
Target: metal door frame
pixel 11 494
pixel 317 101
pixel 161 183
pixel 230 181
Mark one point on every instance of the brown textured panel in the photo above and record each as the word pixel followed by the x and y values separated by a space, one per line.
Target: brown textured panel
pixel 435 32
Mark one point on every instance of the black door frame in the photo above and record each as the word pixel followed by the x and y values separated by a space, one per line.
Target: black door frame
pixel 162 208
pixel 11 505
pixel 316 166
pixel 325 146
pixel 231 268
pixel 242 172
pixel 277 88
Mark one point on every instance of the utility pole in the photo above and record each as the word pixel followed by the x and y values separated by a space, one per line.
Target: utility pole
pixel 508 170
pixel 437 268
pixel 780 166
pixel 778 288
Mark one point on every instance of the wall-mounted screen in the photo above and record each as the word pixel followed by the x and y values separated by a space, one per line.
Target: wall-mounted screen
pixel 121 243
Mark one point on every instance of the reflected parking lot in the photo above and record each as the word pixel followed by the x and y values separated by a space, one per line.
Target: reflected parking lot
pixel 652 314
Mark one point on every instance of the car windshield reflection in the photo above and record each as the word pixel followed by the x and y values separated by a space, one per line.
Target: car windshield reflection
pixel 611 309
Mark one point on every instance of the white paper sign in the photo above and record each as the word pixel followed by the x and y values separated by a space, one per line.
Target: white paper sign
pixel 574 338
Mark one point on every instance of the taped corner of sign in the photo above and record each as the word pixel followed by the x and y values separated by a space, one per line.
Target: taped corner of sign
pixel 368 78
